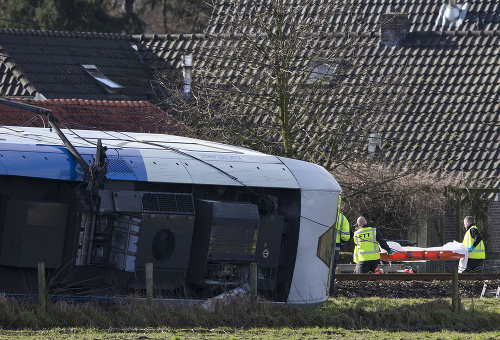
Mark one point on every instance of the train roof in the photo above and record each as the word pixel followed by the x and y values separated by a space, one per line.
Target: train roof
pixel 40 153
pixel 113 139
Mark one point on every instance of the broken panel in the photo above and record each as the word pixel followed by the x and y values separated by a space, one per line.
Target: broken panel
pixel 33 232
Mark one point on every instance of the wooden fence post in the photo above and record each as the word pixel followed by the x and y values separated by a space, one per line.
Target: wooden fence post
pixel 455 295
pixel 149 284
pixel 41 287
pixel 253 280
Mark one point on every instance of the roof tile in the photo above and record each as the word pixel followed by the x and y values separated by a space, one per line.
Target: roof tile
pixel 49 58
pixel 80 114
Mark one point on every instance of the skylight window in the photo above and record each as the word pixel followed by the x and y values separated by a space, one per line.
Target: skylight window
pixel 374 143
pixel 452 15
pixel 321 70
pixel 187 64
pixel 97 75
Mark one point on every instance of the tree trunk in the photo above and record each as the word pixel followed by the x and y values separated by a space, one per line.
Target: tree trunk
pixel 129 6
pixel 165 10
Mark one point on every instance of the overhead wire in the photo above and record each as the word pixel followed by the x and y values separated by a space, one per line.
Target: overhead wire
pixel 428 141
pixel 176 150
pixel 420 141
pixel 33 25
pixel 386 139
pixel 365 137
pixel 247 187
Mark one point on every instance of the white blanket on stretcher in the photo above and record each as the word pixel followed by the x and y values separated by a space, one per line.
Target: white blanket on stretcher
pixel 454 246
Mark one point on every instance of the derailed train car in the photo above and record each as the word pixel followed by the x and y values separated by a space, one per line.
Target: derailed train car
pixel 95 207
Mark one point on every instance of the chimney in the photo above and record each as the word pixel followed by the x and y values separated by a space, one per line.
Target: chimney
pixel 394 29
pixel 452 12
pixel 187 63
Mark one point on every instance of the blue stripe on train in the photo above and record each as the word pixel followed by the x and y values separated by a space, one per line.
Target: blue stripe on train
pixel 56 162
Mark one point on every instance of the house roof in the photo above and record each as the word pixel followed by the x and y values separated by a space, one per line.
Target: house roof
pixel 446 114
pixel 451 118
pixel 122 116
pixel 360 16
pixel 50 63
pixel 166 50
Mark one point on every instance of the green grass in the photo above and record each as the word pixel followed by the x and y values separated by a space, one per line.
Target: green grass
pixel 361 318
pixel 236 333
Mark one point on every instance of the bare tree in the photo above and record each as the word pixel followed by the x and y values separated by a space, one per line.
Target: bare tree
pixel 273 76
pixel 397 200
pixel 277 80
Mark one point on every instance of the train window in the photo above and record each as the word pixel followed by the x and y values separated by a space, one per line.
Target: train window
pixel 325 243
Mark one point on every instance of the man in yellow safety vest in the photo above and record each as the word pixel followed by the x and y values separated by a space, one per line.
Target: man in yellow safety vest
pixel 367 240
pixel 343 235
pixel 474 243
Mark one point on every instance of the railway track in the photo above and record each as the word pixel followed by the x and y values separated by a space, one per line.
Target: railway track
pixel 417 285
pixel 415 276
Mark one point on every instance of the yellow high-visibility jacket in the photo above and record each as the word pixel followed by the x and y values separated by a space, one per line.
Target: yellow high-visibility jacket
pixel 355 256
pixel 367 248
pixel 343 229
pixel 479 251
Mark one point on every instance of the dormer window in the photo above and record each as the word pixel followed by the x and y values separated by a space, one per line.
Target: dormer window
pixel 108 84
pixel 452 15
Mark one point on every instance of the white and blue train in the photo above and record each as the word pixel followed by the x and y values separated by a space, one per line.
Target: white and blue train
pixel 96 207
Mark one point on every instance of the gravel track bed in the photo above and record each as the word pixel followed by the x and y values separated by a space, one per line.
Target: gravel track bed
pixel 411 289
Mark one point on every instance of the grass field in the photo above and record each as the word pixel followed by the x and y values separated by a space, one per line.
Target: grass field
pixel 253 333
pixel 349 318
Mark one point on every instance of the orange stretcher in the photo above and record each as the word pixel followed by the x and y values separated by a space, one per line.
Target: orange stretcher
pixel 420 255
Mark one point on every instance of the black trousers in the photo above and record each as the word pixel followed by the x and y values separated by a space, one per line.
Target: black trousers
pixel 332 277
pixel 366 267
pixel 474 266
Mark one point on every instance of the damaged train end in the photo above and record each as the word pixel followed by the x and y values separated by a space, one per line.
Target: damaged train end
pixel 200 212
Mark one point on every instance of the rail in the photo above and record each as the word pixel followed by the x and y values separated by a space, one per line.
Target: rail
pixel 415 276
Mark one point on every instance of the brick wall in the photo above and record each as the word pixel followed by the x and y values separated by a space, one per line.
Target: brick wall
pixel 491 234
pixel 492 245
pixel 450 226
pixel 494 230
